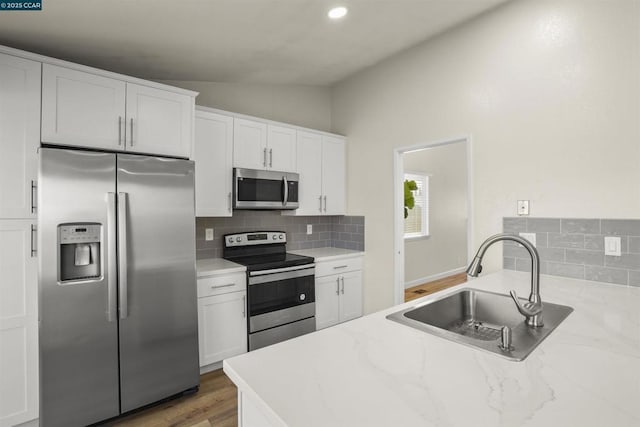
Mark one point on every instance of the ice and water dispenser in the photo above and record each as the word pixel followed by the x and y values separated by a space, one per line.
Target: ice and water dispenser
pixel 79 247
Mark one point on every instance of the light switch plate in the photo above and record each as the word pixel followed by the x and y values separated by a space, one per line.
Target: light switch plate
pixel 208 234
pixel 612 246
pixel 523 207
pixel 309 228
pixel 531 237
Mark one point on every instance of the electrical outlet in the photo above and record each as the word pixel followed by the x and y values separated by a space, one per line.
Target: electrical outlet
pixel 523 207
pixel 612 245
pixel 309 228
pixel 208 234
pixel 531 237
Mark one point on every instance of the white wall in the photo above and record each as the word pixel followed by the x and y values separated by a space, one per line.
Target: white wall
pixel 549 91
pixel 446 247
pixel 308 106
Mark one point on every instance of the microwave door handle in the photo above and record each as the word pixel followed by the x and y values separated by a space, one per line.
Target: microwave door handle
pixel 286 191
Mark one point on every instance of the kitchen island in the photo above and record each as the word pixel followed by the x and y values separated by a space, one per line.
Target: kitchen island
pixel 375 372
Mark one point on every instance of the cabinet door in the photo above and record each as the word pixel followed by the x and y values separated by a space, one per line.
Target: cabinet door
pixel 18 324
pixel 327 301
pixel 350 295
pixel 82 109
pixel 281 145
pixel 19 135
pixel 249 144
pixel 222 327
pixel 333 176
pixel 212 153
pixel 310 169
pixel 158 121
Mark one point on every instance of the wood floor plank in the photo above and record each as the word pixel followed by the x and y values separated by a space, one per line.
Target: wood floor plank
pixel 435 286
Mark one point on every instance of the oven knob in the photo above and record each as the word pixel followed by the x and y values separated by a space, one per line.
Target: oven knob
pixel 281 237
pixel 274 237
pixel 238 239
pixel 303 297
pixel 230 239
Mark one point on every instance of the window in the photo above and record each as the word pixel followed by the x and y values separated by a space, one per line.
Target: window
pixel 417 223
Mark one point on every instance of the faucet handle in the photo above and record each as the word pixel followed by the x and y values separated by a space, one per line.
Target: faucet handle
pixel 528 309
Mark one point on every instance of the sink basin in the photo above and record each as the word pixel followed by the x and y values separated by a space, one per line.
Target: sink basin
pixel 474 318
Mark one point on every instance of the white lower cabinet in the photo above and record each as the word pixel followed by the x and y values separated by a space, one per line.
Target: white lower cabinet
pixel 18 323
pixel 338 295
pixel 222 317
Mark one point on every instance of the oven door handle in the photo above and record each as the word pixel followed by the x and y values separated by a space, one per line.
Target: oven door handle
pixel 284 275
pixel 283 269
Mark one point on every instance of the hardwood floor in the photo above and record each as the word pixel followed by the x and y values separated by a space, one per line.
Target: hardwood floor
pixel 215 404
pixel 435 286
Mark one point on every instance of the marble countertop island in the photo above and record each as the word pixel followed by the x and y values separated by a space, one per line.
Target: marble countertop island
pixel 375 372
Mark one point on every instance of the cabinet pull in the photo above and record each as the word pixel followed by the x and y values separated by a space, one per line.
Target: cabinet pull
pixel 34 196
pixel 119 130
pixel 320 198
pixel 340 266
pixel 271 157
pixel 337 286
pixel 229 196
pixel 325 204
pixel 264 158
pixel 342 284
pixel 244 306
pixel 222 286
pixel 34 233
pixel 131 139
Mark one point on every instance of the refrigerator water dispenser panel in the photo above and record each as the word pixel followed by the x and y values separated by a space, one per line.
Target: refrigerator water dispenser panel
pixel 79 247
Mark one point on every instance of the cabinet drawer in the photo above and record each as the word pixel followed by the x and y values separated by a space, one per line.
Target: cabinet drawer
pixel 338 266
pixel 217 285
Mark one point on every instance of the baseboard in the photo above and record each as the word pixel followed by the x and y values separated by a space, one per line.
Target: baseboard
pixel 209 368
pixel 433 277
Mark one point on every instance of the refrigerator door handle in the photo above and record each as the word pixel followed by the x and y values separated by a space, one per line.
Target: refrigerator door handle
pixel 112 277
pixel 122 256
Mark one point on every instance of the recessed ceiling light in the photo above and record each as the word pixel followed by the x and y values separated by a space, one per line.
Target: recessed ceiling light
pixel 337 12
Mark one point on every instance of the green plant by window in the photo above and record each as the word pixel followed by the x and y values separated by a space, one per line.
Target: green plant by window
pixel 409 201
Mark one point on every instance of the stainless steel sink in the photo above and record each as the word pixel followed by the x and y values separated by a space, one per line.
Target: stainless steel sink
pixel 475 318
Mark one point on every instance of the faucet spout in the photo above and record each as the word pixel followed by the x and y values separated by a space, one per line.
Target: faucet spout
pixel 532 310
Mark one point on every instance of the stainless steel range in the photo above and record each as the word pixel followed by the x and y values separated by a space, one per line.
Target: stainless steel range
pixel 281 286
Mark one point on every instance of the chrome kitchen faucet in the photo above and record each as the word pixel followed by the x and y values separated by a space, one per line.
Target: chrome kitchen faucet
pixel 532 310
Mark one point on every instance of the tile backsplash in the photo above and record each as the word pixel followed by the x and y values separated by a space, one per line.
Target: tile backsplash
pixel 571 247
pixel 328 231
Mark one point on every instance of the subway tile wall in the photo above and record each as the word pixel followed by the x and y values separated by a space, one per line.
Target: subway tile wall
pixel 571 247
pixel 328 231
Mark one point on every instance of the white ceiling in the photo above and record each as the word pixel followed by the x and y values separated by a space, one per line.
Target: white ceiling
pixel 245 41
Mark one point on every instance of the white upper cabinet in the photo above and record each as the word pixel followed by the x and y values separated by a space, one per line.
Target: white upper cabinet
pixel 333 175
pixel 19 135
pixel 88 110
pixel 257 145
pixel 249 144
pixel 212 153
pixel 82 109
pixel 158 121
pixel 321 165
pixel 281 146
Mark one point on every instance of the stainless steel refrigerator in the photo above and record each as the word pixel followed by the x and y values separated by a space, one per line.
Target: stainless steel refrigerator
pixel 118 311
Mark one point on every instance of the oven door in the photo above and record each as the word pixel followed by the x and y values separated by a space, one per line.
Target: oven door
pixel 257 189
pixel 280 296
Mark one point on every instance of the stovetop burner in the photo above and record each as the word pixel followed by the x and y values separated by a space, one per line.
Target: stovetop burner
pixel 263 250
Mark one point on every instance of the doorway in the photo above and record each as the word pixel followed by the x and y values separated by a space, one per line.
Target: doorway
pixel 433 242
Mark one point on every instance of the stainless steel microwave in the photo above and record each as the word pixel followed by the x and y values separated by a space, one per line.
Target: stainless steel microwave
pixel 260 189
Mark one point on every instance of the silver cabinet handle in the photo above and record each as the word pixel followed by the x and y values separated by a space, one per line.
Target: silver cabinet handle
pixel 285 198
pixel 271 157
pixel 112 273
pixel 222 286
pixel 34 233
pixel 342 284
pixel 131 139
pixel 320 198
pixel 34 196
pixel 122 255
pixel 337 286
pixel 340 266
pixel 264 158
pixel 325 203
pixel 244 306
pixel 229 196
pixel 119 130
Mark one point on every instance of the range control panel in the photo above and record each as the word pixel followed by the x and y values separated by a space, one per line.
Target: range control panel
pixel 255 238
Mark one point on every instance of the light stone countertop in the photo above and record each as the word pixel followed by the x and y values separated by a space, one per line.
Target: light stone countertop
pixel 217 267
pixel 376 372
pixel 328 254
